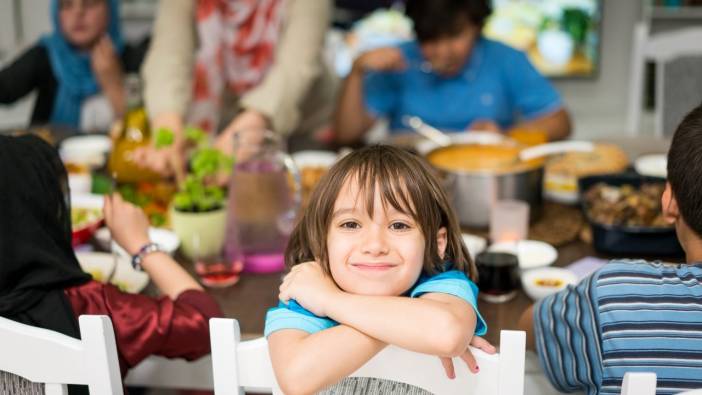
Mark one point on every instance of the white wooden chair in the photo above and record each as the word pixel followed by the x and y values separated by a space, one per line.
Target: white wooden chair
pixel 45 356
pixel 660 48
pixel 246 365
pixel 639 383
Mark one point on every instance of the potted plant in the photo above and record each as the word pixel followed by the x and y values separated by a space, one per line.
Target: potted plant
pixel 198 210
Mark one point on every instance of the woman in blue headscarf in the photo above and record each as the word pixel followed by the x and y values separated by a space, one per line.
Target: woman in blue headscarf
pixel 82 58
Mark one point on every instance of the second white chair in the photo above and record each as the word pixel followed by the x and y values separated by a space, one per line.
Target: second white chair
pixel 246 365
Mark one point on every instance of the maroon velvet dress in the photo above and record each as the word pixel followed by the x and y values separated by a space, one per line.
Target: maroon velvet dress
pixel 144 326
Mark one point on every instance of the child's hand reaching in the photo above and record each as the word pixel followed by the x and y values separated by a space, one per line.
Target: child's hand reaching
pixel 309 286
pixel 467 357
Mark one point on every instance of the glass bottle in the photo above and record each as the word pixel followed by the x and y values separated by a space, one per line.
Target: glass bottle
pixel 132 132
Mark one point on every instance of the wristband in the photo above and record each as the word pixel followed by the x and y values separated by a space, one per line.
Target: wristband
pixel 147 249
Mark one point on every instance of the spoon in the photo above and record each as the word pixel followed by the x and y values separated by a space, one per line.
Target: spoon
pixel 559 147
pixel 428 131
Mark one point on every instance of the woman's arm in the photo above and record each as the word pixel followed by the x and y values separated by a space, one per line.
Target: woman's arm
pixel 168 67
pixel 307 363
pixel 129 228
pixel 298 64
pixel 19 78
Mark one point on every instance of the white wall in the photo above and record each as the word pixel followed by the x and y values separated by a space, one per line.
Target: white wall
pixel 598 105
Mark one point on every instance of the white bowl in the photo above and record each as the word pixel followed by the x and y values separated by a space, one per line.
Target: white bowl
pixel 655 165
pixel 537 292
pixel 314 158
pixel 168 240
pixel 80 183
pixel 103 265
pixel 531 253
pixel 88 150
pixel 475 244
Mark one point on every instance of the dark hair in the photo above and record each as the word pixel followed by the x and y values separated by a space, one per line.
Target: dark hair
pixel 435 19
pixel 406 183
pixel 685 169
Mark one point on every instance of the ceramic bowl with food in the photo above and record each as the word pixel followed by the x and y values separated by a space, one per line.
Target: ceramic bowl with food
pixel 541 282
pixel 117 270
pixel 87 150
pixel 312 166
pixel 86 216
pixel 165 238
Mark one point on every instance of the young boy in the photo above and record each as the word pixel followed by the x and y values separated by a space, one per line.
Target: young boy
pixel 451 77
pixel 634 316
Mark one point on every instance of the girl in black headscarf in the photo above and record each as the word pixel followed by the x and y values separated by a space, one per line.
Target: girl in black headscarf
pixel 42 284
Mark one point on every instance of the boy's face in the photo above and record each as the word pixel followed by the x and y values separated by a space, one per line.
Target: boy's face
pixel 447 55
pixel 83 22
pixel 378 255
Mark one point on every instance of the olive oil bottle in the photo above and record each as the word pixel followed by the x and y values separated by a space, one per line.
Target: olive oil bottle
pixel 132 133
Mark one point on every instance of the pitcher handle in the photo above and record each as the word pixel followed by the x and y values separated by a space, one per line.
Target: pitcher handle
pixel 287 220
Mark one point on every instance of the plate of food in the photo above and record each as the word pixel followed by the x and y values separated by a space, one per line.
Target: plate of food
pixel 312 165
pixel 165 238
pixel 625 215
pixel 86 216
pixel 117 270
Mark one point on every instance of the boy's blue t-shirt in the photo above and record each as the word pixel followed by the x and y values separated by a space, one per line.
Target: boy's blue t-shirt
pixel 496 83
pixel 453 282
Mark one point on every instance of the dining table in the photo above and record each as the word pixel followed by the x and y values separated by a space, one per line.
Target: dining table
pixel 250 298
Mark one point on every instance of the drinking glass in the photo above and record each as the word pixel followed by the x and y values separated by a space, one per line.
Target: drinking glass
pixel 509 221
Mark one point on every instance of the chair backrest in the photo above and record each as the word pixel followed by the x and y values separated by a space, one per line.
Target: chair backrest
pixel 45 356
pixel 661 48
pixel 246 365
pixel 639 383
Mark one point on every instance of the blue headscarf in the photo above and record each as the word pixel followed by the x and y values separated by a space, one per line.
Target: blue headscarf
pixel 72 69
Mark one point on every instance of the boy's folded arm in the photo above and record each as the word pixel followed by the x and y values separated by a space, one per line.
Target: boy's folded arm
pixel 307 363
pixel 435 323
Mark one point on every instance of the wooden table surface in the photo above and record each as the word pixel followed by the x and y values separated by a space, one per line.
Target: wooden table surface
pixel 254 294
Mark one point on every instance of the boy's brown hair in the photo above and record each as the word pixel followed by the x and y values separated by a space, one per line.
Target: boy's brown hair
pixel 685 169
pixel 406 183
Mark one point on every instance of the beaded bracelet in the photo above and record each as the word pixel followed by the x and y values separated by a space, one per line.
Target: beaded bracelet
pixel 147 249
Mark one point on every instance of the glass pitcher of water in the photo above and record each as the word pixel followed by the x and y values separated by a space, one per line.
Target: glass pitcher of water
pixel 264 198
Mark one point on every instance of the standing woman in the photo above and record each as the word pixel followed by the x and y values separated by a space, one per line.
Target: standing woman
pixel 42 284
pixel 229 65
pixel 82 61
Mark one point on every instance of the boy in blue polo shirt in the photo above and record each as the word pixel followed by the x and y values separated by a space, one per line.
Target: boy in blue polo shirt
pixel 451 77
pixel 634 316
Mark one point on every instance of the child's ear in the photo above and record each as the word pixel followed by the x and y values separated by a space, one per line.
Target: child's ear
pixel 441 241
pixel 669 205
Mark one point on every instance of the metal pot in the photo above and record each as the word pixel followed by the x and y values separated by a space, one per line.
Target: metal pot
pixel 473 193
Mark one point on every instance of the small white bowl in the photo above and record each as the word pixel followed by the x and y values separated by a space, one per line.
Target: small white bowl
pixel 536 291
pixel 531 253
pixel 655 165
pixel 80 182
pixel 88 150
pixel 102 266
pixel 475 244
pixel 168 240
pixel 314 158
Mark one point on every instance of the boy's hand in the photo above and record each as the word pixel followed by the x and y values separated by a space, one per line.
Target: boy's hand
pixel 467 357
pixel 381 59
pixel 309 286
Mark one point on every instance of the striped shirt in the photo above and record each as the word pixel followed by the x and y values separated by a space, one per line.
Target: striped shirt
pixel 630 316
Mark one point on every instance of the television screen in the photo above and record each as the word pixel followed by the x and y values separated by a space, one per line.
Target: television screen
pixel 561 37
